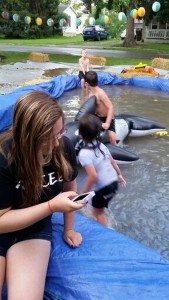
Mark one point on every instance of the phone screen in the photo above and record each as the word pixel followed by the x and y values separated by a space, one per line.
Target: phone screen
pixel 81 197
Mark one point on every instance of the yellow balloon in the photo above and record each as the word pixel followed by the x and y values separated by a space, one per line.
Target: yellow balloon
pixel 39 21
pixel 107 20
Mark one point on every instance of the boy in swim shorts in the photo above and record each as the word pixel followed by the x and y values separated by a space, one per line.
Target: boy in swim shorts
pixel 104 107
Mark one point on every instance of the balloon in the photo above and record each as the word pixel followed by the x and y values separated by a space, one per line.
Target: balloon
pixel 141 11
pixel 156 6
pixel 39 21
pixel 105 20
pixel 92 21
pixel 78 22
pixel 133 13
pixel 62 23
pixel 27 20
pixel 16 17
pixel 5 15
pixel 50 22
pixel 122 16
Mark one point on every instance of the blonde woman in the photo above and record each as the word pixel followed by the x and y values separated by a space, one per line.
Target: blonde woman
pixel 37 177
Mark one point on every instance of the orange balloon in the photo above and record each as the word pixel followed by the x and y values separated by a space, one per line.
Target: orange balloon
pixel 141 12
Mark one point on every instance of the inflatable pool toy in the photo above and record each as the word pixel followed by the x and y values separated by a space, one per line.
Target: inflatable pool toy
pixel 125 125
pixel 140 66
pixel 140 70
pixel 140 126
pixel 122 155
pixel 163 133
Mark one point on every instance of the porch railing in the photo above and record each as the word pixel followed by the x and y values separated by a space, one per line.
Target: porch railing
pixel 157 34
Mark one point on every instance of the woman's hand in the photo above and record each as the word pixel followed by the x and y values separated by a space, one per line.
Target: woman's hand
pixel 62 203
pixel 72 238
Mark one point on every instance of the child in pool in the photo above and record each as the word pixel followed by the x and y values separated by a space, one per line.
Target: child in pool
pixel 103 173
pixel 104 107
pixel 83 67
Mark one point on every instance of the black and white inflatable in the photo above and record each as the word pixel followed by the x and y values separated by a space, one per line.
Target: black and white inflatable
pixel 125 125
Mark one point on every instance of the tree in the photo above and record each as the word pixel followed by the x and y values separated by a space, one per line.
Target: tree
pixel 34 8
pixel 88 4
pixel 118 5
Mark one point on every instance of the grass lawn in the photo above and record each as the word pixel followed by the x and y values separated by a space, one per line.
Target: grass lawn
pixel 12 57
pixel 116 44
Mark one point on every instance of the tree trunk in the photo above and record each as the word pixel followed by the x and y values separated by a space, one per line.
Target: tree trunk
pixel 129 41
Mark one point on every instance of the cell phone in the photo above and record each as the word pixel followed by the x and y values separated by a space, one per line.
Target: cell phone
pixel 86 197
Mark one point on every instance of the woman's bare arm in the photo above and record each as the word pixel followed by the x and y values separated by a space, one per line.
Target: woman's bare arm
pixel 17 219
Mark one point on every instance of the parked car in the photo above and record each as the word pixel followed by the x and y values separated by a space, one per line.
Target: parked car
pixel 95 32
pixel 123 34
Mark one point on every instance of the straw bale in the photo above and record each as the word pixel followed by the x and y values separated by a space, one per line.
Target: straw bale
pixel 38 57
pixel 134 74
pixel 161 63
pixel 97 60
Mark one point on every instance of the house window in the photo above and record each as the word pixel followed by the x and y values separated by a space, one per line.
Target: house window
pixel 162 25
pixel 154 26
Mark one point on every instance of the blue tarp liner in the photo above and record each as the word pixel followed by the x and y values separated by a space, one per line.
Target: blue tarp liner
pixel 107 266
pixel 63 83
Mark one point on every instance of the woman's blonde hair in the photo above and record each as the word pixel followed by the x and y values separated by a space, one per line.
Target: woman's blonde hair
pixel 34 117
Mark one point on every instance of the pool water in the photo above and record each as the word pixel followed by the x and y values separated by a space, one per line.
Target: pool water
pixel 141 210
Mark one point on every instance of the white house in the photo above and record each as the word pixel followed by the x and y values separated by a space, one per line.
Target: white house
pixel 70 29
pixel 157 31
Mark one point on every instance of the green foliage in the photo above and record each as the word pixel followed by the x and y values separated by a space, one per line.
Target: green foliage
pixel 66 2
pixel 33 32
pixel 14 30
pixel 34 8
pixel 115 27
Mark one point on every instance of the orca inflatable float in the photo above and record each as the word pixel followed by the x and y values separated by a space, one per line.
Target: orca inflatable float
pixel 125 125
pixel 120 154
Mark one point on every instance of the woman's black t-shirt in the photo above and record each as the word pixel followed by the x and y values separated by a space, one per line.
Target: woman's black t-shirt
pixel 10 189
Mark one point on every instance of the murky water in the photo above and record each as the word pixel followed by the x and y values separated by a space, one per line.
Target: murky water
pixel 141 210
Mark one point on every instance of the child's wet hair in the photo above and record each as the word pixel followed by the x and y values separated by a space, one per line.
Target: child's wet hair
pixel 91 78
pixel 84 50
pixel 90 127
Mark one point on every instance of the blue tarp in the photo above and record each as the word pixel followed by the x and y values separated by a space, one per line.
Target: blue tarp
pixel 63 83
pixel 107 266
